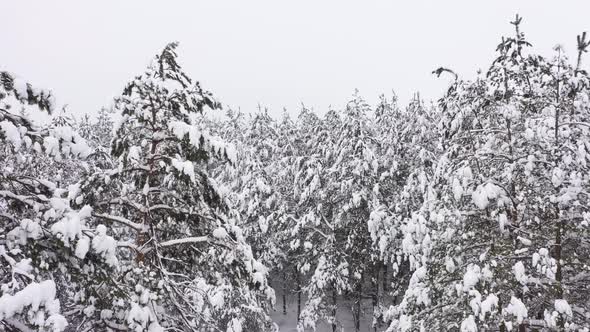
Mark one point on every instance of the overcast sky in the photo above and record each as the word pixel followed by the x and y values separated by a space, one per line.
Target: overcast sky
pixel 276 53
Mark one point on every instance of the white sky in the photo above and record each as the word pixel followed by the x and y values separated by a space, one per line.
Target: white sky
pixel 276 53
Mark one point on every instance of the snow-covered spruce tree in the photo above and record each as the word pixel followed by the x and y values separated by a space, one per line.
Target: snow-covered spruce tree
pixel 508 226
pixel 36 266
pixel 183 263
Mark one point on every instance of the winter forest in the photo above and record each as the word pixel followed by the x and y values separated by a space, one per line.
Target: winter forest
pixel 169 212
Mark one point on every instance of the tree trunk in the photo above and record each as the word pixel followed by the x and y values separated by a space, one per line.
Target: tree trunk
pixel 559 228
pixel 559 273
pixel 298 283
pixel 335 304
pixel 284 293
pixel 385 277
pixel 375 294
pixel 357 306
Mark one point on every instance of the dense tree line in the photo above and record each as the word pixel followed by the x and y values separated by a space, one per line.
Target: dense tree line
pixel 468 214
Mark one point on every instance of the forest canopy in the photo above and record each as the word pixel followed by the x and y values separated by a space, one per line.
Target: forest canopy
pixel 471 213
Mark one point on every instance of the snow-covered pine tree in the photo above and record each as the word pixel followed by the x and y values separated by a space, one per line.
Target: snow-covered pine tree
pixel 288 148
pixel 63 118
pixel 36 265
pixel 312 240
pixel 299 185
pixel 99 132
pixel 408 153
pixel 103 128
pixel 557 194
pixel 84 127
pixel 185 263
pixel 335 226
pixel 498 256
pixel 258 199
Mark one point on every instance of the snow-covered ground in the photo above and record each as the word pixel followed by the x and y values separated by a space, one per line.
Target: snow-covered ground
pixel 345 322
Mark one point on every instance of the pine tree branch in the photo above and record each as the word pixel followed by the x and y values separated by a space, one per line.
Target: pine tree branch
pixel 194 239
pixel 121 220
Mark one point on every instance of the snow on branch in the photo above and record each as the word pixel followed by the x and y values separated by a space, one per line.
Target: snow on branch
pixel 121 220
pixel 194 239
pixel 170 243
